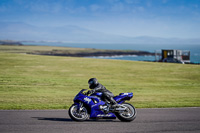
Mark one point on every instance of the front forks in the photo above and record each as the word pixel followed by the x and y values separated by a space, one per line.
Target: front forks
pixel 80 107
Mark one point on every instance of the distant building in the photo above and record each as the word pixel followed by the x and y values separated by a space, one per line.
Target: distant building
pixel 174 56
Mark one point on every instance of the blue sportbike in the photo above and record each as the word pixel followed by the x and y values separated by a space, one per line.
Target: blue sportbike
pixel 92 107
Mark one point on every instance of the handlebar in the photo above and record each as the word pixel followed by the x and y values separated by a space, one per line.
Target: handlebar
pixel 85 93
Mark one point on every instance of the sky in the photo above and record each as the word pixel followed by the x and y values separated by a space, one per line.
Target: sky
pixel 133 18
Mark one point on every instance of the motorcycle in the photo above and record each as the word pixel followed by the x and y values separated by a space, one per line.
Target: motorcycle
pixel 92 107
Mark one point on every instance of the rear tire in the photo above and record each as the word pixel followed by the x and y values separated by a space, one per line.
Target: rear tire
pixel 78 116
pixel 128 115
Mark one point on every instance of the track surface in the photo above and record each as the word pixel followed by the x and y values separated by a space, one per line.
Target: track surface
pixel 174 120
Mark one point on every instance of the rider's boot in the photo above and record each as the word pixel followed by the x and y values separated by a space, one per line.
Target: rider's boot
pixel 114 103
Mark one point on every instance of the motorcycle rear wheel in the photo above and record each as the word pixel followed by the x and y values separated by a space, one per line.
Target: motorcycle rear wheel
pixel 77 115
pixel 128 115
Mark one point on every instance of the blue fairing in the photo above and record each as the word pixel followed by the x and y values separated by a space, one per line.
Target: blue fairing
pixel 93 102
pixel 123 97
pixel 99 94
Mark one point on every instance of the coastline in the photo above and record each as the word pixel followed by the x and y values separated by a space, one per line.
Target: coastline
pixel 74 51
pixel 70 51
pixel 91 53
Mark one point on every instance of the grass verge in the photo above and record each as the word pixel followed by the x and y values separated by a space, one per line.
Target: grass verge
pixel 49 82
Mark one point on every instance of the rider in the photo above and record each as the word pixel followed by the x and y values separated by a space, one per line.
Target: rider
pixel 106 94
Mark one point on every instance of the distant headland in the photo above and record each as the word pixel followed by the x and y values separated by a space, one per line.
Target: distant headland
pixel 76 52
pixel 10 42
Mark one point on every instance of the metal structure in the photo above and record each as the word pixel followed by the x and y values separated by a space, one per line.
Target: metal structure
pixel 174 56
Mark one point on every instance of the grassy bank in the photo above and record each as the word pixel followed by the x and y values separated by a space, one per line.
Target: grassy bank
pixel 68 51
pixel 49 82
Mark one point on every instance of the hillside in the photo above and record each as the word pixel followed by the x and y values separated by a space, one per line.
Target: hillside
pixel 76 34
pixel 10 42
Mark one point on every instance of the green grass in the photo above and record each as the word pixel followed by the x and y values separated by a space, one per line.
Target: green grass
pixel 49 82
pixel 57 50
pixel 26 48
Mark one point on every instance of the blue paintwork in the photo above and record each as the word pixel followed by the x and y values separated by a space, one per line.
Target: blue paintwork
pixel 99 94
pixel 93 102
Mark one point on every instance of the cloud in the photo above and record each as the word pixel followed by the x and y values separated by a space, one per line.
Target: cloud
pixel 132 1
pixel 44 7
pixel 3 8
pixel 140 9
pixel 164 1
pixel 124 17
pixel 95 8
pixel 77 10
pixel 118 7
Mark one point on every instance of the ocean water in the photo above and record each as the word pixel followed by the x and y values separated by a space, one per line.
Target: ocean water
pixel 194 49
pixel 127 57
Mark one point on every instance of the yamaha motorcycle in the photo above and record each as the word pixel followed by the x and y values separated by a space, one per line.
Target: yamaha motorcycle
pixel 92 107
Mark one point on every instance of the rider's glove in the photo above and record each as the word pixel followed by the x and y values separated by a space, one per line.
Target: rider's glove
pixel 89 92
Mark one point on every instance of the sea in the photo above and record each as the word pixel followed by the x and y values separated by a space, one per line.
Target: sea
pixel 193 48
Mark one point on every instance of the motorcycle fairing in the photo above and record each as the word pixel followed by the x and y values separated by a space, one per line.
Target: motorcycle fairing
pixel 122 97
pixel 99 94
pixel 97 113
pixel 93 102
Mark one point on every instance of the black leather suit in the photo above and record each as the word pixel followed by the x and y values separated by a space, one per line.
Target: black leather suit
pixel 106 94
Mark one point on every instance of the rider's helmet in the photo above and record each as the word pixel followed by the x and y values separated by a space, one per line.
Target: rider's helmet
pixel 92 83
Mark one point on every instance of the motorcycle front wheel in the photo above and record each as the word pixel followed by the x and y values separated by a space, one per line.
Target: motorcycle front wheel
pixel 78 115
pixel 128 115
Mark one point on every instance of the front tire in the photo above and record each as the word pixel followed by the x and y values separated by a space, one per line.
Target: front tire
pixel 77 115
pixel 128 115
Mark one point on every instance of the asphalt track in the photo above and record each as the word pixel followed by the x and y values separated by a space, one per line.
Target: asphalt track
pixel 174 120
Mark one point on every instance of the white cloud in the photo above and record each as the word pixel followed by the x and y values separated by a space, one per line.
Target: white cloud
pixel 3 8
pixel 95 7
pixel 72 10
pixel 141 9
pixel 118 7
pixel 164 1
pixel 132 1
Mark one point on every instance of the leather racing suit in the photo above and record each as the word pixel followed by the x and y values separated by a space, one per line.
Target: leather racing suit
pixel 106 94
